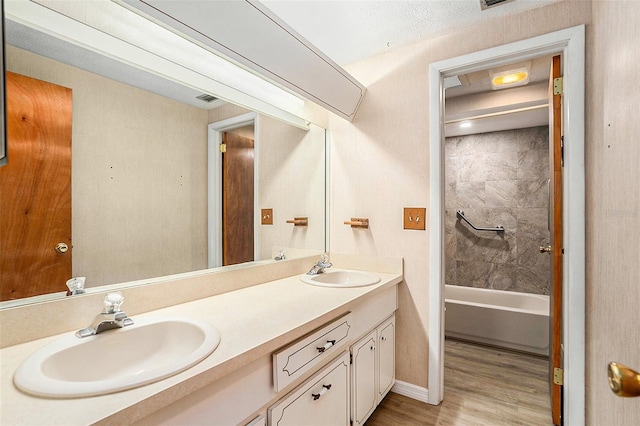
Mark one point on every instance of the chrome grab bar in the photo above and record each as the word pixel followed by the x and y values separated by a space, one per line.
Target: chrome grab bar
pixel 460 215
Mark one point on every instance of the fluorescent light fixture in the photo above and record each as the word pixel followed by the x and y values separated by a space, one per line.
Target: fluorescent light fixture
pixel 510 78
pixel 164 54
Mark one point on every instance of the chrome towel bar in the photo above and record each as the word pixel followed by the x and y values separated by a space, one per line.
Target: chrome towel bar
pixel 460 215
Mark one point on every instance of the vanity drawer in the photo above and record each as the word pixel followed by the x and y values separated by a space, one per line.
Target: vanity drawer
pixel 300 357
pixel 321 400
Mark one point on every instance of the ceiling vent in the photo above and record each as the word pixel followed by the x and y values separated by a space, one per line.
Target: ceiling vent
pixel 206 98
pixel 486 4
pixel 451 82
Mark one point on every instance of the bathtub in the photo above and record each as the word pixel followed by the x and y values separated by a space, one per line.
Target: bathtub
pixel 507 319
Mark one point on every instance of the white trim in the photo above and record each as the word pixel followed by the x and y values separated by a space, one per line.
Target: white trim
pixel 570 43
pixel 214 184
pixel 412 391
pixel 436 237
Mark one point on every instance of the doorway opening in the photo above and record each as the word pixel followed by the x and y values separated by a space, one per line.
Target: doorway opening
pixel 232 184
pixel 496 209
pixel 570 44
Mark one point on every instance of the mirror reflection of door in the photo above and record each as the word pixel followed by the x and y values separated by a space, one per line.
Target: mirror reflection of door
pixel 35 189
pixel 237 197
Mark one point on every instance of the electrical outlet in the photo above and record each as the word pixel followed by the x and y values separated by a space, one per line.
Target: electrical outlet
pixel 415 218
pixel 267 216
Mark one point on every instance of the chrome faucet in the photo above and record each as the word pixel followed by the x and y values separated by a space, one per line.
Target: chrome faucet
pixel 322 264
pixel 111 317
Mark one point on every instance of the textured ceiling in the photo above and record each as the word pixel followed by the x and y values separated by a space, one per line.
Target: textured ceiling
pixel 350 30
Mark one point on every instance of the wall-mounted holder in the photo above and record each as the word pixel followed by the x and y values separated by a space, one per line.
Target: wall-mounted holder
pixel 358 222
pixel 299 221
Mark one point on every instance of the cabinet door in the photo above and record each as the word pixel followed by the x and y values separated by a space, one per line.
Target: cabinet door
pixel 321 400
pixel 364 383
pixel 386 356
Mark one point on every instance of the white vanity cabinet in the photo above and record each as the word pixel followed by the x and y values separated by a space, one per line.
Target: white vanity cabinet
pixel 282 383
pixel 372 370
pixel 321 400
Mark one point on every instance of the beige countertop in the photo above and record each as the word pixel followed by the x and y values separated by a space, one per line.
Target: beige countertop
pixel 253 322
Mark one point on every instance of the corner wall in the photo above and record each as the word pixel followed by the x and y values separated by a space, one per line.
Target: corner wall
pixel 380 162
pixel 291 180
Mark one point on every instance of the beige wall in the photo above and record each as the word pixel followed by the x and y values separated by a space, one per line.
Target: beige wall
pixel 380 162
pixel 613 206
pixel 139 200
pixel 390 135
pixel 292 182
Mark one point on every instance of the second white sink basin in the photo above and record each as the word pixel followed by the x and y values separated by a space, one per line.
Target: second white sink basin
pixel 342 279
pixel 115 360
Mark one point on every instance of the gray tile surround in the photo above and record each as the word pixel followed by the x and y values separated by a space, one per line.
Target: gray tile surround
pixel 498 178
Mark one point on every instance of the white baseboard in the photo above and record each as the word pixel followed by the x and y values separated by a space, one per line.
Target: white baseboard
pixel 411 391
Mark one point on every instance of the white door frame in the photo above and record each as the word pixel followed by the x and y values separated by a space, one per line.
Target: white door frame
pixel 570 43
pixel 214 184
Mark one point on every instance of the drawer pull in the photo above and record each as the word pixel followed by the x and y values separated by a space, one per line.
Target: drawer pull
pixel 327 346
pixel 325 388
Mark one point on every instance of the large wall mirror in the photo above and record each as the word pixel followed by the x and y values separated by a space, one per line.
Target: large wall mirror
pixel 141 180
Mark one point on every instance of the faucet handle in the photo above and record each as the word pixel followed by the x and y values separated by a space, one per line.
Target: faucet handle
pixel 112 302
pixel 324 258
pixel 76 285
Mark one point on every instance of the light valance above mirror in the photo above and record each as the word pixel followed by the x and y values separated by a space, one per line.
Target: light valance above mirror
pixel 249 33
pixel 116 33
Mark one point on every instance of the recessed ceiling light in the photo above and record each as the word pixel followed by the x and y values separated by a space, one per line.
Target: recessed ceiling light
pixel 511 78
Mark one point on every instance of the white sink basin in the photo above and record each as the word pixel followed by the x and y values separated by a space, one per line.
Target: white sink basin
pixel 342 279
pixel 115 360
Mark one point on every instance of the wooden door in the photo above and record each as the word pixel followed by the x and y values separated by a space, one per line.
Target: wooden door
pixel 237 199
pixel 35 189
pixel 555 228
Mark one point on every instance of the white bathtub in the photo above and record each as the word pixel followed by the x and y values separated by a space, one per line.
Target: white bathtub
pixel 506 319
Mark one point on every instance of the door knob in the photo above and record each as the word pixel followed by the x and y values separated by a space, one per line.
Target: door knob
pixel 623 381
pixel 62 248
pixel 546 249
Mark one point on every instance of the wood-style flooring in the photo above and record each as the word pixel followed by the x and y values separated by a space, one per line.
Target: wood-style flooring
pixel 482 386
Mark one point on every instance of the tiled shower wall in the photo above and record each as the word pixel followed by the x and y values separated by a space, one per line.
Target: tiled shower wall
pixel 498 178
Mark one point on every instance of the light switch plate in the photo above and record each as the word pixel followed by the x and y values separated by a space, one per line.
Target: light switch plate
pixel 415 218
pixel 267 216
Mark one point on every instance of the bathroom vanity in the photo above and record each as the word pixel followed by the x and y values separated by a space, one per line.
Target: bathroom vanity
pixel 290 353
